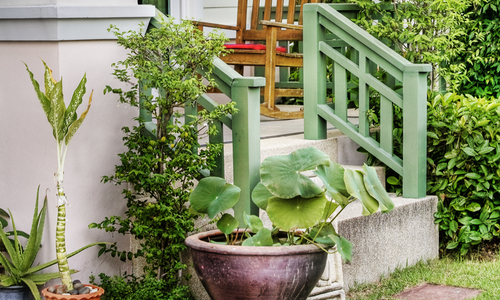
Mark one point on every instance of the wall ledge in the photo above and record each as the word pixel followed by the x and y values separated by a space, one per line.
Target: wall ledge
pixel 69 23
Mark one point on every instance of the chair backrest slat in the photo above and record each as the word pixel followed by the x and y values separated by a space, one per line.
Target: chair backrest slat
pixel 255 14
pixel 267 10
pixel 242 20
pixel 291 12
pixel 279 11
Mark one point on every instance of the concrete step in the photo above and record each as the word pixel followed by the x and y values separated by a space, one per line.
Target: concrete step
pixel 384 242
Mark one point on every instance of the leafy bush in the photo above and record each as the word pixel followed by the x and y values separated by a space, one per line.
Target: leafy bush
pixel 464 168
pixel 130 287
pixel 161 167
pixel 480 58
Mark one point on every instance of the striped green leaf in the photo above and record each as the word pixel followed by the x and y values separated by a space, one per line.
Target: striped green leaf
pixel 76 124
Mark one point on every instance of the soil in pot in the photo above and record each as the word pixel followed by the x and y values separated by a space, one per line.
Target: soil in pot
pixel 244 273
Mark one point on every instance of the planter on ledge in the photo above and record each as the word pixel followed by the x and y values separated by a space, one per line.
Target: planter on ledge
pixel 93 296
pixel 244 272
pixel 15 292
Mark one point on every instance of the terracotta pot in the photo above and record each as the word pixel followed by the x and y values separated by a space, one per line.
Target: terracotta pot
pixel 264 273
pixel 94 296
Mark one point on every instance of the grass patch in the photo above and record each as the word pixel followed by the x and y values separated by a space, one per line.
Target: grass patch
pixel 476 274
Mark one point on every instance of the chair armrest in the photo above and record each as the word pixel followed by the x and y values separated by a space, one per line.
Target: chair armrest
pixel 281 25
pixel 214 25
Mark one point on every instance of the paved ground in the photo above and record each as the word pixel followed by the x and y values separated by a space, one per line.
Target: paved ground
pixel 437 292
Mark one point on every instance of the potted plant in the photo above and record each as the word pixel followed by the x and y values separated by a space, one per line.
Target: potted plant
pixel 21 280
pixel 65 123
pixel 163 157
pixel 302 215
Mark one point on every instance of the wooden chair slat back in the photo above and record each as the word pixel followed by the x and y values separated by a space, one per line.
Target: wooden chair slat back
pixel 291 12
pixel 241 20
pixel 279 11
pixel 267 10
pixel 255 15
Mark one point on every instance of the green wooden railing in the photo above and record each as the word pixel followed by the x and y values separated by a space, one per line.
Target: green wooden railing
pixel 320 22
pixel 245 126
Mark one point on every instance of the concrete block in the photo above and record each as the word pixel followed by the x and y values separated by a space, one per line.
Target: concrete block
pixel 384 242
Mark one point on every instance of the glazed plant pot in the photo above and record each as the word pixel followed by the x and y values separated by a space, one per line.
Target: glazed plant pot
pixel 15 293
pixel 94 296
pixel 244 272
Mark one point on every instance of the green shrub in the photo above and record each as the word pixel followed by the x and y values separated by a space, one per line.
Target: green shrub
pixel 464 168
pixel 480 57
pixel 130 287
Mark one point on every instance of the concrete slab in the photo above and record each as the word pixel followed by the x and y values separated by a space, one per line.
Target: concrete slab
pixel 384 242
pixel 428 291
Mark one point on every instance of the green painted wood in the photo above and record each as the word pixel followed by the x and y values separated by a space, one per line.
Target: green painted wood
pixel 368 143
pixel 368 78
pixel 414 134
pixel 364 97
pixel 314 76
pixel 210 105
pixel 340 91
pixel 246 145
pixel 372 54
pixel 386 124
pixel 161 5
pixel 218 138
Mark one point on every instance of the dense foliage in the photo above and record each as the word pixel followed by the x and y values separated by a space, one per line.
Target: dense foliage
pixel 130 287
pixel 464 168
pixel 480 56
pixel 161 166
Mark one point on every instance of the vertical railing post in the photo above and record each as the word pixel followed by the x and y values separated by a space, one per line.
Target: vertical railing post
pixel 414 133
pixel 218 138
pixel 314 75
pixel 246 143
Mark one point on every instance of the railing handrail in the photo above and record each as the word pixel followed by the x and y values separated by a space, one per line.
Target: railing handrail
pixel 245 126
pixel 322 18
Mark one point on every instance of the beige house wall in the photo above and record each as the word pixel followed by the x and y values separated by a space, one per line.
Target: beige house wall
pixel 27 146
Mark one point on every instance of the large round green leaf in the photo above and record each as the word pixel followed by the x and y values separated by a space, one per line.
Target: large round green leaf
pixel 227 224
pixel 260 196
pixel 297 212
pixel 262 238
pixel 253 222
pixel 281 174
pixel 376 189
pixel 333 179
pixel 214 195
pixel 356 187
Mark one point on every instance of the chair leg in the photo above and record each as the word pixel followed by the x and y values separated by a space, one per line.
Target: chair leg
pixel 271 37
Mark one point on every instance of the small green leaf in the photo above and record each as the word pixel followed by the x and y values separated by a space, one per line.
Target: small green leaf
pixel 227 224
pixel 473 207
pixel 452 245
pixel 253 222
pixel 322 234
pixel 262 238
pixel 344 247
pixel 392 180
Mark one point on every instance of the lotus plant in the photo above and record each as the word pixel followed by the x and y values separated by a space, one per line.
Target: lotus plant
pixel 295 204
pixel 65 123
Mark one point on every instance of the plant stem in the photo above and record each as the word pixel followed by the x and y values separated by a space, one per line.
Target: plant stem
pixel 62 256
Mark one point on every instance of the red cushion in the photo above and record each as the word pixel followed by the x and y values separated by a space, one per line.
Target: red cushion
pixel 253 47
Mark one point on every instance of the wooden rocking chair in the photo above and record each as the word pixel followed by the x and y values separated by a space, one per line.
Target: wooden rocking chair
pixel 267 25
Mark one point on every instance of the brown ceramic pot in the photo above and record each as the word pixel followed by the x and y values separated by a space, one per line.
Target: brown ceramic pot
pixel 94 296
pixel 264 273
